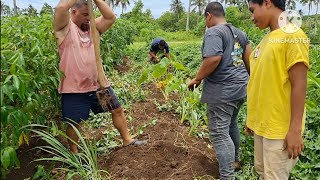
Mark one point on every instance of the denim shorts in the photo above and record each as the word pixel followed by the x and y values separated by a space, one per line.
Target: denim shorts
pixel 76 106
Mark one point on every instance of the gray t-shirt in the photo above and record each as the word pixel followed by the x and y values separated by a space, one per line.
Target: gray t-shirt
pixel 229 80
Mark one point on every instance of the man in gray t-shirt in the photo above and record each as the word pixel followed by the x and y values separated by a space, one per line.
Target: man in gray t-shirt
pixel 224 70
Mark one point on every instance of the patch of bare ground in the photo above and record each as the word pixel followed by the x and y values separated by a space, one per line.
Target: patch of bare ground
pixel 124 66
pixel 170 153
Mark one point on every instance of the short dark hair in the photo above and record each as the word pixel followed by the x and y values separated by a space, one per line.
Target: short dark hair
pixel 79 4
pixel 162 43
pixel 215 8
pixel 281 4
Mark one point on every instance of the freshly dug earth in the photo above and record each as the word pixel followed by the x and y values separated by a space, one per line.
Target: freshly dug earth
pixel 171 153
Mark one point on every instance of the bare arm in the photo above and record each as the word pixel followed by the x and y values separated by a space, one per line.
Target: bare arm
pixel 167 55
pixel 208 65
pixel 298 79
pixel 107 19
pixel 246 56
pixel 153 55
pixel 61 15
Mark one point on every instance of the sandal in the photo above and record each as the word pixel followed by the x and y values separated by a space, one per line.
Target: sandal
pixel 137 142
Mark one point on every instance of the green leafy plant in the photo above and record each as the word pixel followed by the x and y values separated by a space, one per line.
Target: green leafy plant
pixel 40 173
pixel 9 159
pixel 84 164
pixel 29 76
pixel 308 166
pixel 115 41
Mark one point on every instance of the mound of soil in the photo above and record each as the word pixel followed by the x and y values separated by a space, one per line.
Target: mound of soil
pixel 170 153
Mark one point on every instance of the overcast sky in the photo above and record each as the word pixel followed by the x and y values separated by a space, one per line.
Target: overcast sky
pixel 157 7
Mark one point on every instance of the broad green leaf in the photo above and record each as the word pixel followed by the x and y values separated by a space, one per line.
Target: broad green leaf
pixel 21 59
pixel 7 79
pixel 13 156
pixel 5 159
pixel 178 65
pixel 172 86
pixel 183 87
pixel 7 91
pixel 164 62
pixel 16 81
pixel 144 76
pixel 13 68
pixel 22 91
pixel 158 71
pixel 170 77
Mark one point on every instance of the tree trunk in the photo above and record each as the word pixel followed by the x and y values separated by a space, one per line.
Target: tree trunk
pixel 15 7
pixel 309 8
pixel 188 16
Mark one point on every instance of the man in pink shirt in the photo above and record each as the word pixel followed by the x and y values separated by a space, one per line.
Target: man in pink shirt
pixel 78 63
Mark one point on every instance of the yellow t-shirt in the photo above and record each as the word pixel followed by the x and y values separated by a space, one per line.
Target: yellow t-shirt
pixel 269 88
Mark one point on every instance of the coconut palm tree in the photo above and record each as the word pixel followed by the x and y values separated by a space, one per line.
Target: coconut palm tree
pixel 309 2
pixel 176 7
pixel 124 4
pixel 291 4
pixel 15 7
pixel 188 16
pixel 200 4
pixel 111 3
pixel 234 2
pixel 46 9
pixel 5 9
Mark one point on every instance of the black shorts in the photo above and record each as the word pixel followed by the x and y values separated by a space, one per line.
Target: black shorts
pixel 76 106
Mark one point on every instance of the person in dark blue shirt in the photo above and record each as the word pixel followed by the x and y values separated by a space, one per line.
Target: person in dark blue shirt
pixel 158 45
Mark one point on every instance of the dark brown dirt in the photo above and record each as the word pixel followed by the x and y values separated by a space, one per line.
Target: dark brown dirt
pixel 124 66
pixel 170 153
pixel 27 154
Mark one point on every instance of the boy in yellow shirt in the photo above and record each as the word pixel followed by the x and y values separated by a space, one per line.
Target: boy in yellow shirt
pixel 277 91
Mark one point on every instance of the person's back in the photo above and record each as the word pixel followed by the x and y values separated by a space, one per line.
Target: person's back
pixel 157 45
pixel 228 81
pixel 225 52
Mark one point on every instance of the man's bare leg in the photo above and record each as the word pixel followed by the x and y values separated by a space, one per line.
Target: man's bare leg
pixel 73 135
pixel 120 122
